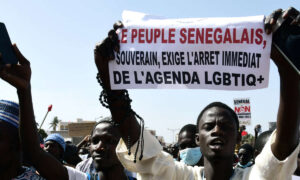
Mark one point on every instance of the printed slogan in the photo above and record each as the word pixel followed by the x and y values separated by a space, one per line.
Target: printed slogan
pixel 242 108
pixel 207 53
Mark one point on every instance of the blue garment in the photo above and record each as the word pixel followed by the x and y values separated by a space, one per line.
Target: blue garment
pixel 250 163
pixel 28 174
pixel 96 177
pixel 190 156
pixel 87 166
pixel 9 112
pixel 57 138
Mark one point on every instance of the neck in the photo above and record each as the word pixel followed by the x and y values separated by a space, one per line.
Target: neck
pixel 112 173
pixel 220 169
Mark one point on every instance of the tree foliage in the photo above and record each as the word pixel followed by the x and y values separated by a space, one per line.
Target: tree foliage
pixel 54 123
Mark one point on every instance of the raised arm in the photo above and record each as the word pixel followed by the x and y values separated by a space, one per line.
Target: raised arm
pixel 117 100
pixel 257 129
pixel 19 76
pixel 84 141
pixel 288 117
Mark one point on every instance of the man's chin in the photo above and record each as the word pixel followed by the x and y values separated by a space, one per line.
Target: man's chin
pixel 100 167
pixel 217 155
pixel 100 161
pixel 101 164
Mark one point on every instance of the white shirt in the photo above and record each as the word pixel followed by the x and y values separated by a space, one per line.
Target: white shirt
pixel 159 165
pixel 295 177
pixel 75 174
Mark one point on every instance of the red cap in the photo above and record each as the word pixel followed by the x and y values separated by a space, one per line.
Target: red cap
pixel 244 133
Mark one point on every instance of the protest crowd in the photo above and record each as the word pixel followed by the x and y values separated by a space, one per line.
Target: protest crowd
pixel 119 148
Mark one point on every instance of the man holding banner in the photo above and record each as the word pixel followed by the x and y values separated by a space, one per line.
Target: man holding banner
pixel 217 123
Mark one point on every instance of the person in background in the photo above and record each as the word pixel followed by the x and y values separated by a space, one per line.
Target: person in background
pixel 243 130
pixel 257 131
pixel 189 151
pixel 83 147
pixel 56 146
pixel 10 148
pixel 104 163
pixel 70 157
pixel 245 156
pixel 48 166
pixel 260 142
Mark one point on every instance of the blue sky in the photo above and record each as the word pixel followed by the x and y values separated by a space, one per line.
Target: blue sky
pixel 58 38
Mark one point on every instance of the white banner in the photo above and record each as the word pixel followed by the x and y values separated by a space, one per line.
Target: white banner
pixel 242 108
pixel 197 53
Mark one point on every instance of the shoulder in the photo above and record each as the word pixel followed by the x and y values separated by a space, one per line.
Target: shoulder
pixel 241 173
pixel 267 166
pixel 75 174
pixel 84 165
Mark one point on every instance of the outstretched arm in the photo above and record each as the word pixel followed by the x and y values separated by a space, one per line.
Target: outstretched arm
pixel 118 103
pixel 288 117
pixel 19 77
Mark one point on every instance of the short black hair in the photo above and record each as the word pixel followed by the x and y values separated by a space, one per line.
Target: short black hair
pixel 261 140
pixel 247 147
pixel 106 120
pixel 221 105
pixel 189 127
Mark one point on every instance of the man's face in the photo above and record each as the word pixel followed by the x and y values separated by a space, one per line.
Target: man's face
pixel 54 149
pixel 8 154
pixel 186 139
pixel 217 133
pixel 244 156
pixel 103 146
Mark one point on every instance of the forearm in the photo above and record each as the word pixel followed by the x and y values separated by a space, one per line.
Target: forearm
pixel 30 143
pixel 79 145
pixel 125 117
pixel 28 130
pixel 116 100
pixel 288 117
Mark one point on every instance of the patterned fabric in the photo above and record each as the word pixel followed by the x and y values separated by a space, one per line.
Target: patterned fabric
pixel 87 166
pixel 29 174
pixel 9 112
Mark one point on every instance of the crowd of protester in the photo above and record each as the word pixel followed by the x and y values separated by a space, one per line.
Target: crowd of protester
pixel 120 148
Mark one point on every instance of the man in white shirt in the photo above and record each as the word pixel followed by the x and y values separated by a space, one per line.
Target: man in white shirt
pixel 217 125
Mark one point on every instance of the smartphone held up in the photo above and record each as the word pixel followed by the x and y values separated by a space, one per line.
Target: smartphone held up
pixel 8 55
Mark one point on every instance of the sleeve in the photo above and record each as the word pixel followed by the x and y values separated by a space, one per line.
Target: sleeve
pixel 78 166
pixel 155 164
pixel 267 166
pixel 74 174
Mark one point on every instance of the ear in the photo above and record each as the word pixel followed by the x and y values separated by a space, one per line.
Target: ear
pixel 197 139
